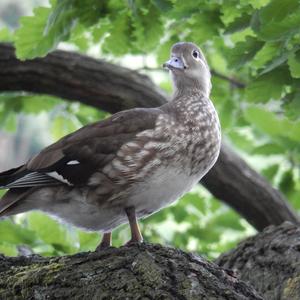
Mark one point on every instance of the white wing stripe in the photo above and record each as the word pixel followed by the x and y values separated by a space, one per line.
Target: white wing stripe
pixel 73 162
pixel 58 177
pixel 37 179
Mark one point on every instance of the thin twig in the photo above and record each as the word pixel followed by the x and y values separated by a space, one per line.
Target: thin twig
pixel 234 82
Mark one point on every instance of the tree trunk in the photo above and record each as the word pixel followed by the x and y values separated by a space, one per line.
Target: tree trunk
pixel 113 88
pixel 269 262
pixel 249 193
pixel 133 272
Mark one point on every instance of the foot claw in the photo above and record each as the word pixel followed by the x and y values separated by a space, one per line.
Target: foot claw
pixel 133 242
pixel 102 247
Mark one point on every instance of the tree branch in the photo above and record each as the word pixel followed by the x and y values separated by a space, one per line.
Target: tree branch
pixel 113 88
pixel 269 262
pixel 76 77
pixel 133 272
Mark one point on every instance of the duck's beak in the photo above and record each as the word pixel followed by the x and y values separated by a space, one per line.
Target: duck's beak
pixel 174 63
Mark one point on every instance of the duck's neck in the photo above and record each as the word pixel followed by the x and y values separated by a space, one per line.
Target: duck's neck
pixel 183 99
pixel 186 86
pixel 191 102
pixel 190 92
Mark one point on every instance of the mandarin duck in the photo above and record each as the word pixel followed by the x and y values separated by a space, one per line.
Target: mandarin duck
pixel 129 165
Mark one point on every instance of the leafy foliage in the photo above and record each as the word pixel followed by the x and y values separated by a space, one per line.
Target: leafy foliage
pixel 255 43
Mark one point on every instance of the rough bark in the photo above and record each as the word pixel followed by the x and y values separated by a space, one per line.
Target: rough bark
pixel 136 272
pixel 269 262
pixel 113 88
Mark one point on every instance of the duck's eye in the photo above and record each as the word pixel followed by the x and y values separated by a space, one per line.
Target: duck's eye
pixel 196 54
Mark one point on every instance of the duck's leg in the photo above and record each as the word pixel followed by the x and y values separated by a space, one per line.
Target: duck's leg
pixel 136 236
pixel 105 242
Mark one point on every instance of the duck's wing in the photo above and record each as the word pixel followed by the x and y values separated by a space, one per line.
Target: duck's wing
pixel 75 157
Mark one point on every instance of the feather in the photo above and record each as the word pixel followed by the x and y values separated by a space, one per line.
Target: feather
pixel 30 180
pixel 9 175
pixel 12 197
pixel 77 156
pixel 73 159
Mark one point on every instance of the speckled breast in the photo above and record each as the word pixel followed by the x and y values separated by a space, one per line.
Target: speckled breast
pixel 173 156
pixel 203 134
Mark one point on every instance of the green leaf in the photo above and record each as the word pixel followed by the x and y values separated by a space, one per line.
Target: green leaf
pixel 59 18
pixel 88 241
pixel 286 184
pixel 181 216
pixel 118 42
pixel 79 38
pixel 265 54
pixel 183 9
pixel 270 172
pixel 203 234
pixel 243 52
pixel 292 105
pixel 163 5
pixel 278 20
pixel 227 220
pixel 29 39
pixel 146 32
pixel 257 3
pixel 8 249
pixel 30 104
pixel 9 122
pixel 63 125
pixel 101 29
pixel 14 234
pixel 203 26
pixel 277 62
pixel 89 12
pixel 41 33
pixel 227 111
pixel 294 64
pixel 87 114
pixel 229 14
pixel 271 124
pixel 34 104
pixel 51 232
pixel 241 141
pixel 277 10
pixel 294 197
pixel 239 23
pixel 6 35
pixel 280 61
pixel 268 86
pixel 268 149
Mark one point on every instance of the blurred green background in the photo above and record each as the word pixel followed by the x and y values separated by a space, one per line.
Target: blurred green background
pixel 253 49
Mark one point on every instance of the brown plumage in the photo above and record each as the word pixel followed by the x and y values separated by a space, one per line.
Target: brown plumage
pixel 129 165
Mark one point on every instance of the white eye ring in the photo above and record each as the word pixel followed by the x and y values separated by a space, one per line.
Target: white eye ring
pixel 196 55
